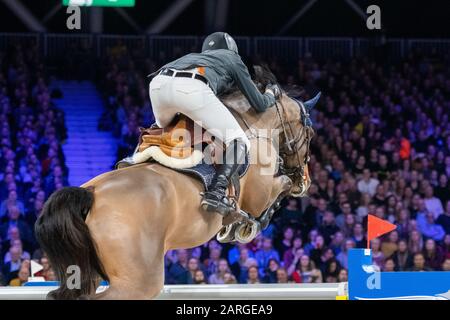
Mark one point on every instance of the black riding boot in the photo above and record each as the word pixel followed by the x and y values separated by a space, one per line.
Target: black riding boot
pixel 215 199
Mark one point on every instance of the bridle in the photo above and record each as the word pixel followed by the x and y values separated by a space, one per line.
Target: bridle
pixel 294 143
pixel 291 145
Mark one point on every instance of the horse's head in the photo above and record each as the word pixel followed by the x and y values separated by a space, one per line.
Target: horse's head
pixel 296 133
pixel 290 117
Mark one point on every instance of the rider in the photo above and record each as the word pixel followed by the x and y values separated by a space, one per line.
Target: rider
pixel 190 85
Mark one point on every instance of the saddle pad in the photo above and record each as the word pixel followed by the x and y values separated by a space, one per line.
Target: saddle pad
pixel 205 172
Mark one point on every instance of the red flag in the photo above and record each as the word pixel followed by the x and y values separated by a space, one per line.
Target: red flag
pixel 377 227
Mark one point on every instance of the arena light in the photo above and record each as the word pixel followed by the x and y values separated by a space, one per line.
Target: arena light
pixel 100 3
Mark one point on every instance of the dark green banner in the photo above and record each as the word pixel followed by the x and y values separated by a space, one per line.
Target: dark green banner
pixel 100 3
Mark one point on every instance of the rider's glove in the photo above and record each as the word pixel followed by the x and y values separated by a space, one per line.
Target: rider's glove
pixel 274 90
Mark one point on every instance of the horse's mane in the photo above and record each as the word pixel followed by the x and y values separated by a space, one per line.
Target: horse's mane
pixel 263 76
pixel 235 100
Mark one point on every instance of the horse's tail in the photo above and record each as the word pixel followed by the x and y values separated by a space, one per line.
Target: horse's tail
pixel 65 238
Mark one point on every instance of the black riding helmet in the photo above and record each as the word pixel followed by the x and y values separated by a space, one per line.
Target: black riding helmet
pixel 219 40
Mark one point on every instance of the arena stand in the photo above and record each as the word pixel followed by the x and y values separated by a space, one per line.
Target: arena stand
pixel 31 161
pixel 382 147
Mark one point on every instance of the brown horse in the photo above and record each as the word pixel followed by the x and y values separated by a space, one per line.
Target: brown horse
pixel 119 225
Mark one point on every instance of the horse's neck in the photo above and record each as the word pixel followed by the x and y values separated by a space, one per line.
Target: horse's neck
pixel 247 116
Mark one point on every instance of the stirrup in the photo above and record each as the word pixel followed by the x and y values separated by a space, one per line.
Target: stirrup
pixel 217 206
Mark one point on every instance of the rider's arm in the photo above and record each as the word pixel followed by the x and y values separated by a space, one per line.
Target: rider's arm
pixel 244 82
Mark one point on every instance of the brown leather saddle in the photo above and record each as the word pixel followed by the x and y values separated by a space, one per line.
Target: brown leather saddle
pixel 176 140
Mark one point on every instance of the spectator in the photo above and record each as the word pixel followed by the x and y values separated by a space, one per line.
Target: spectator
pixel 328 226
pixel 349 225
pixel 229 278
pixel 22 277
pixel 403 260
pixel 359 236
pixel 199 277
pixel 290 215
pixel 218 276
pixel 11 269
pixel 286 243
pixel 446 265
pixel 192 267
pixel 446 246
pixel 367 184
pixel 346 210
pixel 415 243
pixel 433 255
pixel 11 201
pixel 331 270
pixel 270 275
pixel 419 263
pixel 240 267
pixel 343 275
pixel 402 223
pixel 444 219
pixel 178 272
pixel 14 222
pixel 282 275
pixel 342 257
pixel 306 272
pixel 212 263
pixel 442 190
pixel 253 275
pixel 363 209
pixel 433 204
pixel 391 245
pixel 389 265
pixel 312 241
pixel 430 229
pixel 235 253
pixel 337 242
pixel 264 255
pixel 16 243
pixel 290 254
pixel 377 254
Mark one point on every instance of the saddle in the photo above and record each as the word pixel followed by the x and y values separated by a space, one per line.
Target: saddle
pixel 177 140
pixel 177 146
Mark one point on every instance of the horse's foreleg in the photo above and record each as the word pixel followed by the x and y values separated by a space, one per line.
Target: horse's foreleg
pixel 281 187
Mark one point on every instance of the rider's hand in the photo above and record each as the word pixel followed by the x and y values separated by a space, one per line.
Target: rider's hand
pixel 274 90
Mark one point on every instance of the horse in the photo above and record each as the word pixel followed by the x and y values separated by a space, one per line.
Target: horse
pixel 118 226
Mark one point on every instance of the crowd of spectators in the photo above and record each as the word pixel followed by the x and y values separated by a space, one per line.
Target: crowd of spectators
pixel 382 147
pixel 32 165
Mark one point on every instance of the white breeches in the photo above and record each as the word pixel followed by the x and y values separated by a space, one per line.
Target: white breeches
pixel 196 100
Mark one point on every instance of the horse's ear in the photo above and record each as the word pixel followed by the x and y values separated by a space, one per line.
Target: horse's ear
pixel 312 102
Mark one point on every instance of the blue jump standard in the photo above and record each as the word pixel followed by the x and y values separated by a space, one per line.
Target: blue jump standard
pixel 51 284
pixel 365 282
